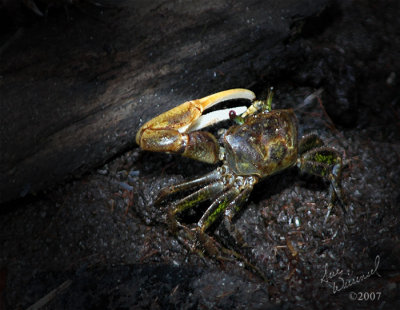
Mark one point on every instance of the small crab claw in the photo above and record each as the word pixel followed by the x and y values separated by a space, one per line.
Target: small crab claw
pixel 173 132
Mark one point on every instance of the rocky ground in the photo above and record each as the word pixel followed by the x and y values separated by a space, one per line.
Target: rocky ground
pixel 101 236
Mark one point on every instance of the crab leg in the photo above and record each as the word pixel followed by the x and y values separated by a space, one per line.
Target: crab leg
pixel 233 208
pixel 228 204
pixel 326 163
pixel 208 178
pixel 168 132
pixel 217 208
pixel 193 199
pixel 309 142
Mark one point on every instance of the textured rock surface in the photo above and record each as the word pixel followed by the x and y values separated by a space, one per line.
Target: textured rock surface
pixel 73 93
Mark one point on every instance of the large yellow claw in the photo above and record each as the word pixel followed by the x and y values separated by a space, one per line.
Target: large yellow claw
pixel 171 130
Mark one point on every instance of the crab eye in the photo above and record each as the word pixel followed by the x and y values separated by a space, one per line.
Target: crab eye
pixel 235 118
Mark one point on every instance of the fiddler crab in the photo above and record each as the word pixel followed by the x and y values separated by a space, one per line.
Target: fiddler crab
pixel 261 143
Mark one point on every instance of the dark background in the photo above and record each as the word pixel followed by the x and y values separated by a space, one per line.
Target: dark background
pixel 76 193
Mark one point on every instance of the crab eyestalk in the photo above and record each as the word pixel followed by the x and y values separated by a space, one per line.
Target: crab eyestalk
pixel 268 102
pixel 260 105
pixel 236 118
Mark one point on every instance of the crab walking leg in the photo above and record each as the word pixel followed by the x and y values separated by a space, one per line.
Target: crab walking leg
pixel 335 189
pixel 192 200
pixel 236 204
pixel 168 131
pixel 309 142
pixel 227 205
pixel 233 208
pixel 326 163
pixel 213 212
pixel 217 208
pixel 208 178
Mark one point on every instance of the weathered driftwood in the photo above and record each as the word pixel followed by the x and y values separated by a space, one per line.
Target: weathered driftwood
pixel 73 93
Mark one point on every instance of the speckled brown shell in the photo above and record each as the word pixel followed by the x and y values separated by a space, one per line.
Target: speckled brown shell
pixel 265 144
